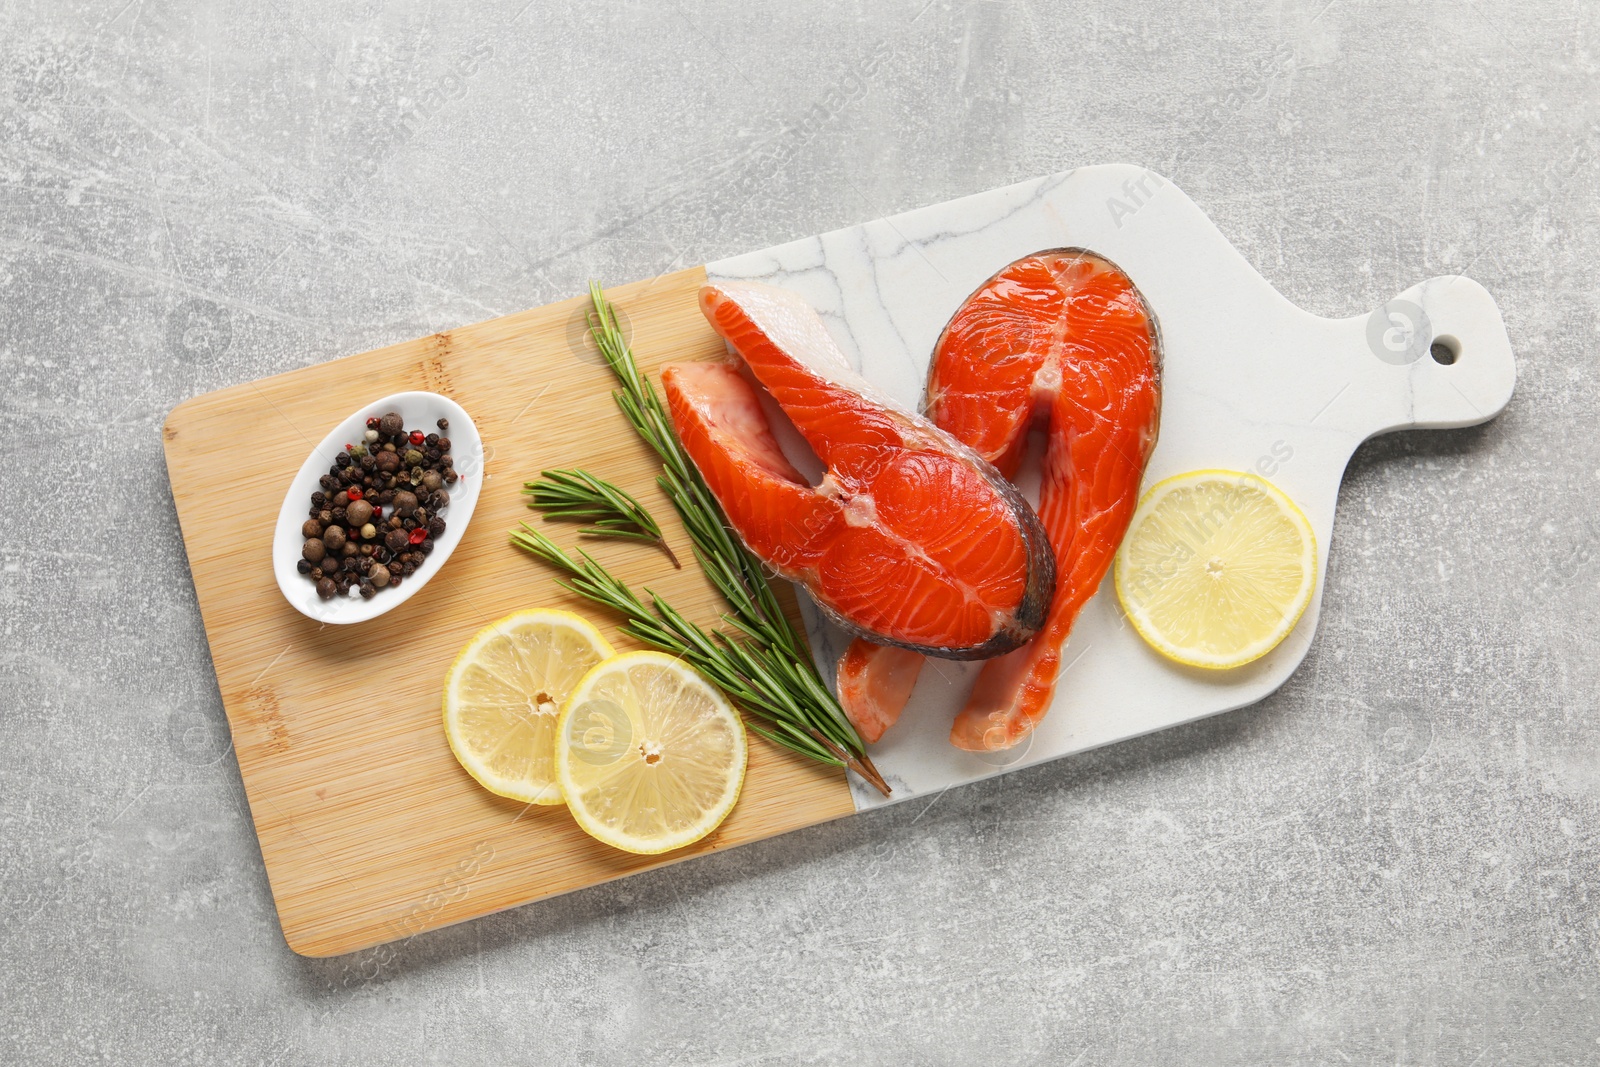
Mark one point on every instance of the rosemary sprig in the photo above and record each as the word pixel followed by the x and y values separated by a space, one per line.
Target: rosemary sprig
pixel 764 665
pixel 579 495
pixel 731 567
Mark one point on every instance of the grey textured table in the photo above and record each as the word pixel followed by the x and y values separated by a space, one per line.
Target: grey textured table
pixel 1394 859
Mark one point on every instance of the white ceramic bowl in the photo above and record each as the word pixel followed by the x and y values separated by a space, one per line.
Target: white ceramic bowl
pixel 421 411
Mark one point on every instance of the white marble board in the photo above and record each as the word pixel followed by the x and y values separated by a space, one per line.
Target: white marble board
pixel 1250 382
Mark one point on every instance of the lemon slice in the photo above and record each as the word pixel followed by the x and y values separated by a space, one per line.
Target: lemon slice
pixel 1217 567
pixel 649 755
pixel 504 693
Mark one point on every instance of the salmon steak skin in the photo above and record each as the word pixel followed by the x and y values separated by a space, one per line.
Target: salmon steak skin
pixel 1061 341
pixel 909 539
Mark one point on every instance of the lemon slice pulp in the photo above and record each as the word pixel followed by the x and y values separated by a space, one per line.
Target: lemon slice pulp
pixel 503 696
pixel 649 755
pixel 1216 568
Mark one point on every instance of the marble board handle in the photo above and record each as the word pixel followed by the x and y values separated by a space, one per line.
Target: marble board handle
pixel 1435 357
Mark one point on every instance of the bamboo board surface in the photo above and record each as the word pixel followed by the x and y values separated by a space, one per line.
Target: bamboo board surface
pixel 369 828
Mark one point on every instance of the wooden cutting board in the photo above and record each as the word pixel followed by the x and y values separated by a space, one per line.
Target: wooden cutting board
pixel 372 832
pixel 369 828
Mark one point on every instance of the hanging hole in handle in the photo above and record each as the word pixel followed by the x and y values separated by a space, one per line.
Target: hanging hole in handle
pixel 1445 350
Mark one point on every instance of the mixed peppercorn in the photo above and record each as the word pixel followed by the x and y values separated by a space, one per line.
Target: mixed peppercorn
pixel 374 521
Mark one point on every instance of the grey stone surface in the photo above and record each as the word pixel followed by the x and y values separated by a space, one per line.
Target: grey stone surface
pixel 1394 859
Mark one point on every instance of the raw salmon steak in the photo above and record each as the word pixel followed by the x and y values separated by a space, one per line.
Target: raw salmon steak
pixel 909 539
pixel 1059 341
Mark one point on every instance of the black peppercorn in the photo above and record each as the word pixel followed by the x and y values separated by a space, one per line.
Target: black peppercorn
pixel 328 482
pixel 444 424
pixel 435 526
pixel 444 444
pixel 303 566
pixel 368 590
pixel 342 459
pixel 396 541
pixel 318 499
pixel 427 546
pixel 449 477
